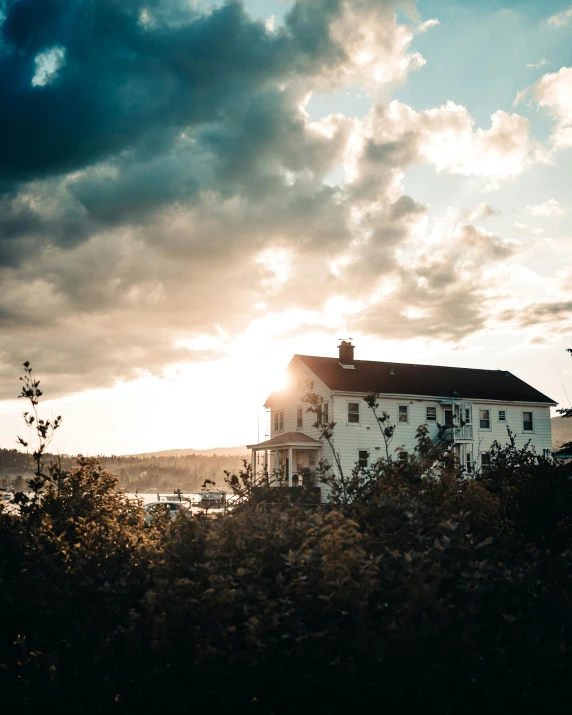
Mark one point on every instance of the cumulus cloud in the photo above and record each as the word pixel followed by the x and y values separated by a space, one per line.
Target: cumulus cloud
pixel 446 137
pixel 561 19
pixel 549 208
pixel 553 92
pixel 161 179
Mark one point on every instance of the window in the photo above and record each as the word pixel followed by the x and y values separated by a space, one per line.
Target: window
pixel 403 456
pixel 469 462
pixel 546 453
pixel 502 415
pixel 485 419
pixel 485 462
pixel 312 459
pixel 431 415
pixel 322 414
pixel 353 412
pixel 527 423
pixel 299 418
pixel 363 458
pixel 279 421
pixel 403 413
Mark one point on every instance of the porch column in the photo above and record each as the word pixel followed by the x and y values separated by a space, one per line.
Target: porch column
pixel 289 466
pixel 266 465
pixel 254 465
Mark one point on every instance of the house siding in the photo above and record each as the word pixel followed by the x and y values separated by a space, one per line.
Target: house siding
pixel 299 385
pixel 349 439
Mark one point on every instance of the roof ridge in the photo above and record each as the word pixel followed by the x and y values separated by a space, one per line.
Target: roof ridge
pixel 409 364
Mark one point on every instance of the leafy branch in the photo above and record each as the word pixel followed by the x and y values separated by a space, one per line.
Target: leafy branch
pixel 44 429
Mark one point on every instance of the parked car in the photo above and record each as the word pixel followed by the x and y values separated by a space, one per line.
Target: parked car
pixel 175 509
pixel 6 493
pixel 212 499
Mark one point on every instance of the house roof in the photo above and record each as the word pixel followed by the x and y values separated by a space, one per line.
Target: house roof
pixel 428 380
pixel 289 439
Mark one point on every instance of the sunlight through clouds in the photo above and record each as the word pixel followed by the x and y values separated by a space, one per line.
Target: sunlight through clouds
pixel 180 206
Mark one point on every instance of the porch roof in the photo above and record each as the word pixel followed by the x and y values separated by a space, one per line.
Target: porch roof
pixel 289 439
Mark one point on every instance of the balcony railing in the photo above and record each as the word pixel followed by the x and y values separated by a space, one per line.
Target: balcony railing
pixel 451 433
pixel 299 479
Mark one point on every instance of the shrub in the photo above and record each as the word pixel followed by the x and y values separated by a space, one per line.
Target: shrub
pixel 422 590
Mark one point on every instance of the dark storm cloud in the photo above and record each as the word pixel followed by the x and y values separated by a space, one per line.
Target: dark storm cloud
pixel 144 180
pixel 125 83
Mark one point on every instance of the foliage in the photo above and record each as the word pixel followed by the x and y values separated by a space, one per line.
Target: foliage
pixel 566 412
pixel 419 589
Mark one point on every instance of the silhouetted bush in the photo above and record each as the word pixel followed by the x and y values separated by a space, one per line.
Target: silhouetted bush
pixel 425 590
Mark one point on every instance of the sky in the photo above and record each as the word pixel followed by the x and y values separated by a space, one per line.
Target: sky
pixel 192 192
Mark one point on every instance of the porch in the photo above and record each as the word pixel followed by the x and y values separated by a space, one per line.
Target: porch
pixel 288 460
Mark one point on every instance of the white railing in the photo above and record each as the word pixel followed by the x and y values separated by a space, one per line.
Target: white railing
pixel 464 432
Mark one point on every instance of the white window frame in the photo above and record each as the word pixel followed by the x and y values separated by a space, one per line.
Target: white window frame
pixel 481 428
pixel 399 413
pixel 299 418
pixel 499 416
pixel 430 407
pixel 358 452
pixel 531 413
pixel 353 413
pixel 322 414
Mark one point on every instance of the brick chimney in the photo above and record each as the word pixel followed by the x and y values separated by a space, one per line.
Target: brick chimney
pixel 346 353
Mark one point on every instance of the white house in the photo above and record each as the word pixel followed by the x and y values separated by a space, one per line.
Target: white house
pixel 478 405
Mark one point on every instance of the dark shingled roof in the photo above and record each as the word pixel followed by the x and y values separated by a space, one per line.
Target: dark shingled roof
pixel 433 380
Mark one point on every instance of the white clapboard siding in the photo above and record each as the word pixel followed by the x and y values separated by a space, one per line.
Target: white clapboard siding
pixel 350 438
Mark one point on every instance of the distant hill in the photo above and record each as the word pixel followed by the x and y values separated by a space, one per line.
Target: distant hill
pixel 219 451
pixel 561 431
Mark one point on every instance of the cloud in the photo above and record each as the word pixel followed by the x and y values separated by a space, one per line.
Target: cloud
pixel 481 212
pixel 541 63
pixel 547 209
pixel 161 179
pixel 437 291
pixel 561 19
pixel 558 314
pixel 553 92
pixel 446 137
pixel 529 229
